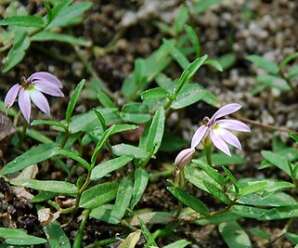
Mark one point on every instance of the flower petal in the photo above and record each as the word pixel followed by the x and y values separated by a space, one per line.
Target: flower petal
pixel 11 95
pixel 219 143
pixel 225 110
pixel 234 125
pixel 198 136
pixel 25 104
pixel 48 88
pixel 45 77
pixel 40 101
pixel 230 138
pixel 184 157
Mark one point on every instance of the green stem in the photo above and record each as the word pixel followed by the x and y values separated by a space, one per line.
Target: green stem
pixel 79 235
pixel 208 153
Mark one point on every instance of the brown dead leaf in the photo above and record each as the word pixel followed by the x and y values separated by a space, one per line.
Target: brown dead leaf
pixel 6 126
pixel 45 216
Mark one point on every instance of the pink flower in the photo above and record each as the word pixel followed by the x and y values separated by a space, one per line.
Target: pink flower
pixel 184 157
pixel 31 89
pixel 218 129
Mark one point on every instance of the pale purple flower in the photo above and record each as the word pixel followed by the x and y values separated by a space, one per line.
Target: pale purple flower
pixel 184 157
pixel 32 89
pixel 218 129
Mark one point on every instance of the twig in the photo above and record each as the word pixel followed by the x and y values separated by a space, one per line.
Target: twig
pixel 265 126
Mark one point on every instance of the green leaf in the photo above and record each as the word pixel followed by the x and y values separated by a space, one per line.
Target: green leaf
pixel 189 72
pixel 264 64
pixel 154 64
pixel 74 156
pixel 192 36
pixel 14 236
pixel 73 100
pixel 48 123
pixel 277 160
pixel 203 5
pixel 214 63
pixel 288 59
pixel 51 36
pixel 227 61
pixel 272 82
pixel 191 94
pixel 255 231
pixel 23 21
pixel 107 133
pixel 89 121
pixel 33 156
pixel 17 52
pixel 293 72
pixel 181 19
pixel 213 173
pixel 149 217
pixel 251 187
pixel 141 178
pixel 234 235
pixel 66 15
pixel 129 150
pixel 43 196
pixel 150 240
pixel 222 159
pixel 155 133
pixel 261 214
pixel 109 166
pixel 178 244
pixel 276 199
pixel 38 136
pixel 56 236
pixel 123 198
pixel 105 100
pixel 120 128
pixel 156 94
pixel 189 200
pixel 47 185
pixel 135 117
pixel 177 54
pixel 98 195
pixel 293 237
pixel 216 192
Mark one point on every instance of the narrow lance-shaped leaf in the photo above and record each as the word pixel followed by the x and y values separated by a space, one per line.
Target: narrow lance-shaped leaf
pixel 98 195
pixel 23 21
pixel 129 150
pixel 264 64
pixel 141 178
pixel 190 71
pixel 73 100
pixel 122 200
pixel 101 143
pixel 56 236
pixel 192 36
pixel 189 200
pixel 47 185
pixel 17 52
pixel 109 166
pixel 234 235
pixel 14 236
pixel 51 36
pixel 156 130
pixel 33 156
pixel 65 15
pixel 178 244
